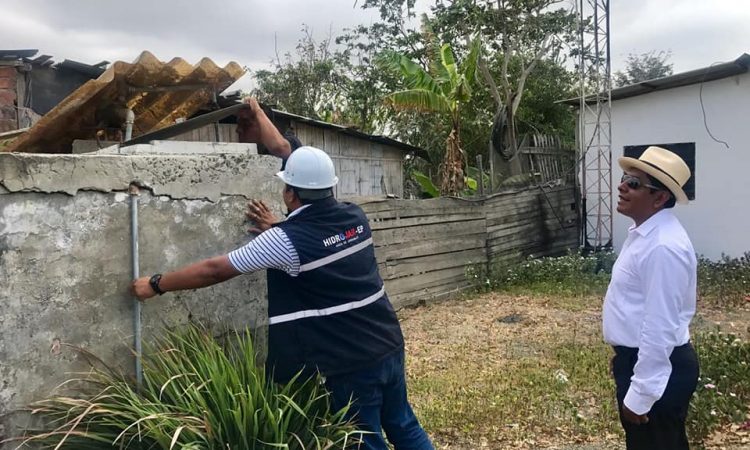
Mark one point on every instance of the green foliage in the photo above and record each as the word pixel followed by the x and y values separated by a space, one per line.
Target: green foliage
pixel 425 94
pixel 722 283
pixel 541 111
pixel 345 84
pixel 725 282
pixel 644 67
pixel 199 392
pixel 429 190
pixel 573 275
pixel 723 393
pixel 519 37
pixel 311 82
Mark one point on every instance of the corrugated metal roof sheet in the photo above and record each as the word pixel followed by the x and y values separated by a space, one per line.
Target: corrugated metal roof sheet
pixel 157 92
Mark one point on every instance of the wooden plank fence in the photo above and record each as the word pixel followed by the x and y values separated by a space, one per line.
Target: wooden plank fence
pixel 423 247
pixel 546 158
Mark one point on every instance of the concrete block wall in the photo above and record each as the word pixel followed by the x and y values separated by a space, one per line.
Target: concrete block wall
pixel 65 252
pixel 65 256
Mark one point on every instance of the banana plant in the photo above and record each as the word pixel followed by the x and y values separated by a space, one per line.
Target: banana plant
pixel 444 88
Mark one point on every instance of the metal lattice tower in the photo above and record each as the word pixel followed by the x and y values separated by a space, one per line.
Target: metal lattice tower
pixel 595 124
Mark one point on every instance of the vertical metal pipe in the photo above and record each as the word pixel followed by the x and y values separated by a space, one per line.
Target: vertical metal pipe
pixel 134 193
pixel 129 120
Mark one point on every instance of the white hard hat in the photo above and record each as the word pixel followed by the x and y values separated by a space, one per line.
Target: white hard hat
pixel 309 168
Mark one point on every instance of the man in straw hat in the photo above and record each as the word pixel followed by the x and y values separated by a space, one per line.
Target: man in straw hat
pixel 650 302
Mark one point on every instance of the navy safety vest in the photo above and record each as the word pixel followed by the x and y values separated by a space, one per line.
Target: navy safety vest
pixel 335 316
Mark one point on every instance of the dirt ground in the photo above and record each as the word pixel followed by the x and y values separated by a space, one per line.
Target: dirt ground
pixel 491 331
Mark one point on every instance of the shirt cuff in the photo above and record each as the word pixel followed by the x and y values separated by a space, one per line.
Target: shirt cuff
pixel 639 404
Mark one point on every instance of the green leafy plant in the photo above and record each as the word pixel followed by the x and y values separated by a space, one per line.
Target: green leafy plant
pixel 471 181
pixel 573 274
pixel 198 392
pixel 444 88
pixel 721 283
pixel 429 190
pixel 725 282
pixel 723 392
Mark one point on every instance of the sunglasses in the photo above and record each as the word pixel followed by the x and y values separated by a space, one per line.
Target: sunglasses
pixel 635 182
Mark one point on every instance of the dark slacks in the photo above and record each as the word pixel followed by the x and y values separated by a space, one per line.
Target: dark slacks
pixel 665 429
pixel 380 402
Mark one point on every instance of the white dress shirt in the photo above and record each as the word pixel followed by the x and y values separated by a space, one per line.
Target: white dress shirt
pixel 650 301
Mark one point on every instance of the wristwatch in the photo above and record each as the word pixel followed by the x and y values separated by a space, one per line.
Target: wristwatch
pixel 154 282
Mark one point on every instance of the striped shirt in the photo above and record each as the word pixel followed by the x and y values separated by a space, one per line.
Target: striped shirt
pixel 272 249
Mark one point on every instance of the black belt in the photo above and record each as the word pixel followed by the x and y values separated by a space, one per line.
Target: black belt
pixel 621 350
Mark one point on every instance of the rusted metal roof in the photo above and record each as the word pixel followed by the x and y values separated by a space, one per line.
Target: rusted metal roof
pixel 157 92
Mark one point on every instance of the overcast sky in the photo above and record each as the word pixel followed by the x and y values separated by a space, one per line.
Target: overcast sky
pixel 698 32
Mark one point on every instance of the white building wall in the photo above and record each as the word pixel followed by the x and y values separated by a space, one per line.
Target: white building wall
pixel 718 220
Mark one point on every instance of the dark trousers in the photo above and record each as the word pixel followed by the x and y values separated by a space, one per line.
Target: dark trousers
pixel 380 402
pixel 665 429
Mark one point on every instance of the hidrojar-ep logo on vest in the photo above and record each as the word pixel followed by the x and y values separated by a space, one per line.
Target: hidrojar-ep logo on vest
pixel 344 237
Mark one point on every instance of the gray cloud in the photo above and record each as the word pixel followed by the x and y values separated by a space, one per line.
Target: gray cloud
pixel 697 32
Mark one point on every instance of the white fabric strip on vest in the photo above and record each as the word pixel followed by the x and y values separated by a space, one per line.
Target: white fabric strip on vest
pixel 336 256
pixel 327 311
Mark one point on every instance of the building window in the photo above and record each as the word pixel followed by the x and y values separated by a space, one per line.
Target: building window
pixel 686 150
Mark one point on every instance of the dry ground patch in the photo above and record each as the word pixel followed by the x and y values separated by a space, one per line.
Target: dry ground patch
pixel 497 371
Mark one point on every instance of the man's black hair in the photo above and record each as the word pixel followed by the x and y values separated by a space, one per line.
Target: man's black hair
pixel 308 196
pixel 660 186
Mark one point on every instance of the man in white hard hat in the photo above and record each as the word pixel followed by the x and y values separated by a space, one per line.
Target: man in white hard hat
pixel 650 302
pixel 327 306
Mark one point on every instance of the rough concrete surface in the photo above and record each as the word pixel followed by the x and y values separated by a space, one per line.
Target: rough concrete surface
pixel 65 257
pixel 199 176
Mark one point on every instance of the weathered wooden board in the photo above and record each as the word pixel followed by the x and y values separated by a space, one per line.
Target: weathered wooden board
pixel 424 247
pixel 413 266
pixel 430 247
pixel 426 280
pixel 407 234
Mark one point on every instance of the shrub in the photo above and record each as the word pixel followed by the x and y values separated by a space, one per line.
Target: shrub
pixel 723 392
pixel 725 282
pixel 721 283
pixel 198 393
pixel 572 274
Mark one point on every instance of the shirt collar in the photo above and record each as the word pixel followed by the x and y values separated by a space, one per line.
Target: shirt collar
pixel 652 222
pixel 325 202
pixel 296 211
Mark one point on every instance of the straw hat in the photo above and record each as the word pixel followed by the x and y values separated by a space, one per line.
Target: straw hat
pixel 663 165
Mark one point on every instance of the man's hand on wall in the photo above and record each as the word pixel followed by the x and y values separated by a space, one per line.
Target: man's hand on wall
pixel 141 288
pixel 258 212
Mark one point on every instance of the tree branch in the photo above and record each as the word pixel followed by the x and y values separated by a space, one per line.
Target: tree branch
pixel 527 71
pixel 490 82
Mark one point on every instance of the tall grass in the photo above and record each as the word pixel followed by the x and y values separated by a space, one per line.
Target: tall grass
pixel 199 392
